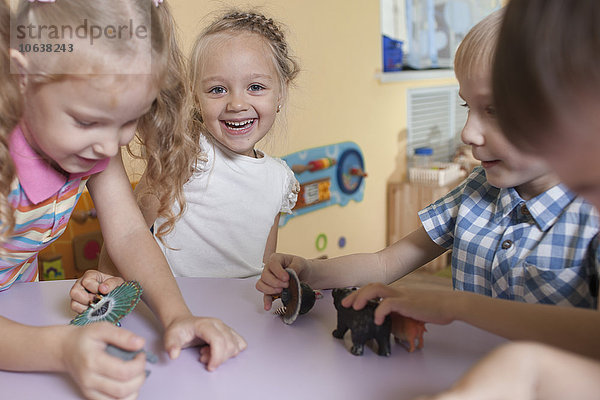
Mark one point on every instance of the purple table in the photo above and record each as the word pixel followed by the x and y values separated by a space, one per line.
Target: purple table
pixel 288 362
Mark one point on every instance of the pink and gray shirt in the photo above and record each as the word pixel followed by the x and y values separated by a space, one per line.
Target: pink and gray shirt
pixel 42 199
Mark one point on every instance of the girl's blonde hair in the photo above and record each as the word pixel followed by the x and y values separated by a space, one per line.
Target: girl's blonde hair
pixel 166 147
pixel 170 150
pixel 10 112
pixel 235 22
pixel 476 51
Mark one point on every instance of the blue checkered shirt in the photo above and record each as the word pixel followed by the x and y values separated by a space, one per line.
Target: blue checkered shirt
pixel 543 250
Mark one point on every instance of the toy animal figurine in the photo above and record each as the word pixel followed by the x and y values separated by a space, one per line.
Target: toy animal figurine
pixel 409 330
pixel 298 298
pixel 361 324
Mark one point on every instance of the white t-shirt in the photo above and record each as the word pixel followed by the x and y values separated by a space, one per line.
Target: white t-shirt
pixel 232 202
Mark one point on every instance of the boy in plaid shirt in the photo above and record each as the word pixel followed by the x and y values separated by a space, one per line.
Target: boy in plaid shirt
pixel 546 87
pixel 516 233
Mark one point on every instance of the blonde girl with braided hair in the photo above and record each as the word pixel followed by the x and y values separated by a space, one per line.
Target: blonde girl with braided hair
pixel 86 94
pixel 240 72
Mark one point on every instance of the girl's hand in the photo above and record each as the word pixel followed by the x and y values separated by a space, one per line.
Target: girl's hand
pixel 219 341
pixel 274 278
pixel 98 374
pixel 423 304
pixel 91 283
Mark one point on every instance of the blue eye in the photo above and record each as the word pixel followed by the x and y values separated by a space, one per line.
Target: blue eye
pixel 255 87
pixel 217 90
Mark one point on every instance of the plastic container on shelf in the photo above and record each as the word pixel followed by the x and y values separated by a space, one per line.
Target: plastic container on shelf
pixel 392 54
pixel 437 174
pixel 422 169
pixel 422 157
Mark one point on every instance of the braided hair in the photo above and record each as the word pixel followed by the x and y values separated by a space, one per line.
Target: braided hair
pixel 237 21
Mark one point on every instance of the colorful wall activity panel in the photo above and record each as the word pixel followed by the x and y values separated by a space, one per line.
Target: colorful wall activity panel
pixel 328 175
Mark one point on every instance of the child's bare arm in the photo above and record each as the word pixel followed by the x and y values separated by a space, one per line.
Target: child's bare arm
pixel 148 205
pixel 569 328
pixel 271 246
pixel 78 351
pixel 407 254
pixel 534 371
pixel 387 265
pixel 137 256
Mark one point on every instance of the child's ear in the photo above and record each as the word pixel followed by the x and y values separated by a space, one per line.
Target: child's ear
pixel 19 66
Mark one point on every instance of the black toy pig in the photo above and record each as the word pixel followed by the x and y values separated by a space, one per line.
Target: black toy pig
pixel 361 324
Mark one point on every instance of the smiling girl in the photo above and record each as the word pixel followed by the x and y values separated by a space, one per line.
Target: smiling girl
pixel 240 73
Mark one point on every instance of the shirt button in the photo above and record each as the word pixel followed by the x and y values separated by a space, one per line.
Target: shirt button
pixel 507 244
pixel 524 210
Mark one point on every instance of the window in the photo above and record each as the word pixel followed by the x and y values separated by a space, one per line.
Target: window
pixel 435 119
pixel 430 30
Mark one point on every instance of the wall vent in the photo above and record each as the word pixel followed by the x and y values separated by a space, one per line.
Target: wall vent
pixel 435 119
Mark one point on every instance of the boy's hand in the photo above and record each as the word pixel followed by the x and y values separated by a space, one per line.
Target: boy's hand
pixel 98 374
pixel 422 304
pixel 274 278
pixel 91 283
pixel 219 340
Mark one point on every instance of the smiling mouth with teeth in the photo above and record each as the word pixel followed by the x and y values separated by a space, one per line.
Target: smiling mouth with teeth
pixel 239 125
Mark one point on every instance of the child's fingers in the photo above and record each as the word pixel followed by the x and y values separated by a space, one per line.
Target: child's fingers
pixel 386 307
pixel 224 343
pixel 99 374
pixel 80 297
pixel 269 286
pixel 96 282
pixel 267 302
pixel 93 282
pixel 121 338
pixel 268 293
pixel 107 388
pixel 359 298
pixel 205 354
pixel 277 264
pixel 121 371
pixel 78 307
pixel 119 379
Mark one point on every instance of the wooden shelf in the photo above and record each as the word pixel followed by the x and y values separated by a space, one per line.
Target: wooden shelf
pixel 405 200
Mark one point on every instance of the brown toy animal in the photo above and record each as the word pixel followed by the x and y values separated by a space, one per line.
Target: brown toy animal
pixel 361 324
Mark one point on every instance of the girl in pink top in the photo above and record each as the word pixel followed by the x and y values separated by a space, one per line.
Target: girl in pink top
pixel 115 70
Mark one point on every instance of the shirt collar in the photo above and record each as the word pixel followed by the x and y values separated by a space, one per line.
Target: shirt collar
pixel 545 208
pixel 38 178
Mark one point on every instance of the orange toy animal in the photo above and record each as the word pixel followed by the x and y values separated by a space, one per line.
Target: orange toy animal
pixel 408 330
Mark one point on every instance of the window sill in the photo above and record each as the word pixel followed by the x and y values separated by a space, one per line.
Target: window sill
pixel 412 75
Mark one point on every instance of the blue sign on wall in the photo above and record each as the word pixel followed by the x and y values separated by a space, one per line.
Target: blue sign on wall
pixel 328 175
